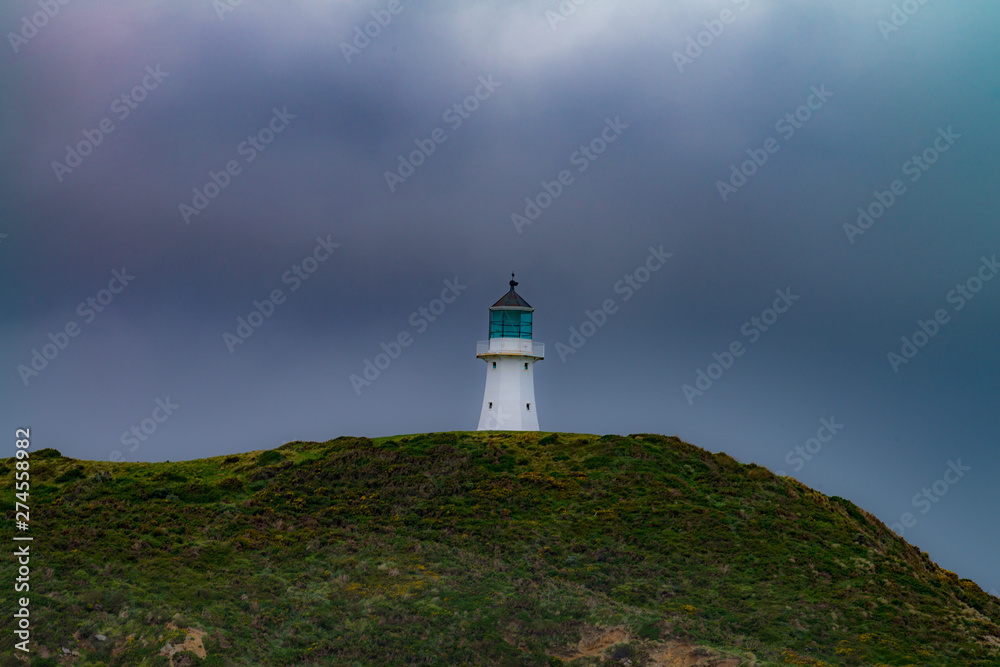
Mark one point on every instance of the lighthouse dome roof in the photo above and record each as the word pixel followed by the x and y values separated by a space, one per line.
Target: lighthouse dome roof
pixel 511 299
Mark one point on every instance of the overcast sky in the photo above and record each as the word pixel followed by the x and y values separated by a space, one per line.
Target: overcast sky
pixel 168 168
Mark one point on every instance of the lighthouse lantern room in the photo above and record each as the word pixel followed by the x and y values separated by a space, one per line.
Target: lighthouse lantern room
pixel 510 356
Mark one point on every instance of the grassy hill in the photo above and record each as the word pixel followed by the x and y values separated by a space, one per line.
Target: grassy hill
pixel 475 548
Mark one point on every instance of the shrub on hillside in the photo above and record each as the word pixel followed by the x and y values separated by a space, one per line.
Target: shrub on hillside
pixel 269 457
pixel 47 453
pixel 231 484
pixel 70 475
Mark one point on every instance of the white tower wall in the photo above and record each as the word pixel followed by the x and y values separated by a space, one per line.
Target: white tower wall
pixel 509 399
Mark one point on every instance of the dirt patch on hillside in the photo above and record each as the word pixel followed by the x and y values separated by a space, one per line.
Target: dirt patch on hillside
pixel 595 641
pixel 192 642
pixel 684 654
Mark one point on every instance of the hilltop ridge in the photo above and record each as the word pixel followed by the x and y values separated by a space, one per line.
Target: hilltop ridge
pixel 477 548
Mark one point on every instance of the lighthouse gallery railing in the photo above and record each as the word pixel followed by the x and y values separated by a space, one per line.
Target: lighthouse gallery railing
pixel 510 346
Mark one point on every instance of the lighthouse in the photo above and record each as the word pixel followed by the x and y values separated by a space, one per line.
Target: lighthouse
pixel 510 356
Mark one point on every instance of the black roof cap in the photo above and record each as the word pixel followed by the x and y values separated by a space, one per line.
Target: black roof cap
pixel 511 299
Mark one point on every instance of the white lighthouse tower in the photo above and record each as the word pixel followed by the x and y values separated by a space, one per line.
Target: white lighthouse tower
pixel 510 356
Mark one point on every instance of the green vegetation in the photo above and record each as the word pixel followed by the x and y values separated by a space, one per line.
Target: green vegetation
pixel 475 548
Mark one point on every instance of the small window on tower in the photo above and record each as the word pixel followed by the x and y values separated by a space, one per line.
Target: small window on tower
pixel 494 364
pixel 526 365
pixel 491 405
pixel 529 406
